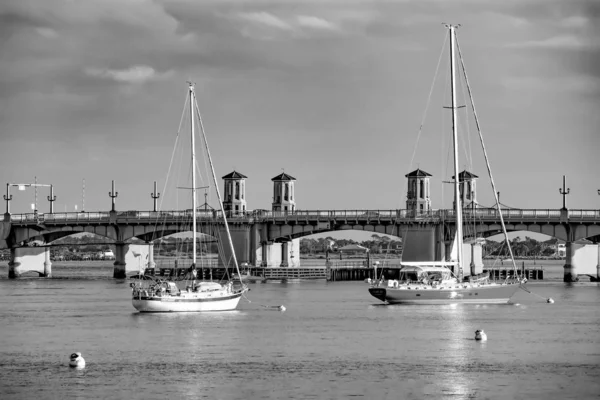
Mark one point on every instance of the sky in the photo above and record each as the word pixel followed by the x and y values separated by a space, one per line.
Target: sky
pixel 333 92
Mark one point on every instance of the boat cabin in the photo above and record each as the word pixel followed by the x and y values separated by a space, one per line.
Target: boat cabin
pixel 424 274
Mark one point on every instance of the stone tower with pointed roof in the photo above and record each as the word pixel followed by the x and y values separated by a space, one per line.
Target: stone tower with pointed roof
pixel 467 184
pixel 418 197
pixel 234 193
pixel 284 198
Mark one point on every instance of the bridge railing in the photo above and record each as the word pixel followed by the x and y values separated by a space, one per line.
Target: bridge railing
pixel 298 215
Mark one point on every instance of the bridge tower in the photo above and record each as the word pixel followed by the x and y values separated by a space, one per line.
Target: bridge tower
pixel 234 195
pixel 467 184
pixel 418 197
pixel 283 193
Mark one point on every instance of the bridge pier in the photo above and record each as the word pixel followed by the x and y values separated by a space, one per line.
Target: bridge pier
pixel 581 259
pixel 131 258
pixel 264 259
pixel 29 259
pixel 120 265
pixel 284 255
pixel 151 263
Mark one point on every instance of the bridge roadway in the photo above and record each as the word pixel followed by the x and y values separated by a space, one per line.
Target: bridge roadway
pixel 568 225
pixel 262 228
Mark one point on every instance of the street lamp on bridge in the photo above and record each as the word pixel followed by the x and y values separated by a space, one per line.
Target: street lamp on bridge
pixel 564 193
pixel 22 186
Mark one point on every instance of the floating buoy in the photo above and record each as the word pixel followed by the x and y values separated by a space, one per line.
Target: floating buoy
pixel 76 361
pixel 276 308
pixel 550 300
pixel 480 335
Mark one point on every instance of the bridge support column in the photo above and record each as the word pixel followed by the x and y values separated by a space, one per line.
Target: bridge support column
pixel 47 263
pixel 570 270
pixel 151 263
pixel 240 236
pixel 254 244
pixel 581 259
pixel 264 256
pixel 120 265
pixel 29 259
pixel 284 254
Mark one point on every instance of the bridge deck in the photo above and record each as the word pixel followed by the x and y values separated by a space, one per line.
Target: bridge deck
pixel 391 216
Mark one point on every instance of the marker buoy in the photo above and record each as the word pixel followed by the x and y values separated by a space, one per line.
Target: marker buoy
pixel 480 335
pixel 275 308
pixel 76 361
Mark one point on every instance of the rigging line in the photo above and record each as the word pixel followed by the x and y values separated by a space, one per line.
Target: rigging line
pixel 466 139
pixel 426 108
pixel 444 168
pixel 216 187
pixel 487 162
pixel 160 206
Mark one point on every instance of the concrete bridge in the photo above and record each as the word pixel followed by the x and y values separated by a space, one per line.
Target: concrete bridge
pixel 268 238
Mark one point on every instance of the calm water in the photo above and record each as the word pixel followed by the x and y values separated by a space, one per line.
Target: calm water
pixel 333 342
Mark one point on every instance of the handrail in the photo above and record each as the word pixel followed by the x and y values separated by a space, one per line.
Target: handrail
pixel 296 215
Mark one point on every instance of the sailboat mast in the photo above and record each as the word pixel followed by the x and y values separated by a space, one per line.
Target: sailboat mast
pixel 193 175
pixel 457 205
pixel 214 176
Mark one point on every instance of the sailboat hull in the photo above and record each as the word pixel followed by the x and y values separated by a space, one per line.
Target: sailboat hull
pixel 186 304
pixel 422 294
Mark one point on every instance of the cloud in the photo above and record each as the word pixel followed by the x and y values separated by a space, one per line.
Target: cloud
pixel 574 21
pixel 134 74
pixel 556 42
pixel 315 23
pixel 266 26
pixel 266 19
pixel 48 33
pixel 582 84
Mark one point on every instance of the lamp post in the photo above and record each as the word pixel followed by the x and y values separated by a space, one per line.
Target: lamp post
pixel 112 194
pixel 564 193
pixel 22 186
pixel 51 199
pixel 154 196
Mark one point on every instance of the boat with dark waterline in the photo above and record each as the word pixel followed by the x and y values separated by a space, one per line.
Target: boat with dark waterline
pixel 161 295
pixel 435 282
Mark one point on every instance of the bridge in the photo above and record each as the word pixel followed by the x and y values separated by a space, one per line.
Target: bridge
pixel 264 237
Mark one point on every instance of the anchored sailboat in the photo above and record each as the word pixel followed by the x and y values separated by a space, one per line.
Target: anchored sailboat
pixel 165 295
pixel 435 282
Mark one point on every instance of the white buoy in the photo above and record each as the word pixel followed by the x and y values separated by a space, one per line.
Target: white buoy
pixel 76 361
pixel 550 300
pixel 480 335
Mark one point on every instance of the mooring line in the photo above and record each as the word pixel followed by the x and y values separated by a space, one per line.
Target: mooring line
pixel 548 299
pixel 277 308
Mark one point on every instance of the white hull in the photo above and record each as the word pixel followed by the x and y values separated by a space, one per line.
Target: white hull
pixel 491 293
pixel 186 303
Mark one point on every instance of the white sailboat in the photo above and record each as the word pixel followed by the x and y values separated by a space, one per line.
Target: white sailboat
pixel 434 282
pixel 197 296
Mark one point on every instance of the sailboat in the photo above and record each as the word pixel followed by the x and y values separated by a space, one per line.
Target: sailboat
pixel 435 282
pixel 197 296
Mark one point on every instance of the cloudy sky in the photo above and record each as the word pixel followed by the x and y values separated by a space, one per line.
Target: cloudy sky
pixel 331 91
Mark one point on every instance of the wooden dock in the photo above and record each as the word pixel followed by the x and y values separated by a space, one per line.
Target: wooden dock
pixel 333 272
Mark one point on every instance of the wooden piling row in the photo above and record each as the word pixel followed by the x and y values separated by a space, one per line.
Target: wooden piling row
pixel 329 273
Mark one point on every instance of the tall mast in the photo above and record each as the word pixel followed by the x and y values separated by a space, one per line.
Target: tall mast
pixel 214 176
pixel 193 175
pixel 457 205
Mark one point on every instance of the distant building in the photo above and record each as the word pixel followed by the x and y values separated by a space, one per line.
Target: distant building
pixel 418 197
pixel 235 192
